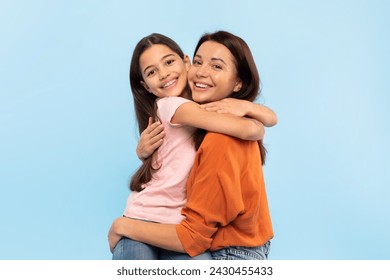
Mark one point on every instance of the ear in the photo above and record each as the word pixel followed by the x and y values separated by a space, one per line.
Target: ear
pixel 145 86
pixel 187 62
pixel 238 85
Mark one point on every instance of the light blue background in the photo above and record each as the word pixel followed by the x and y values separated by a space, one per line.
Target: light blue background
pixel 68 134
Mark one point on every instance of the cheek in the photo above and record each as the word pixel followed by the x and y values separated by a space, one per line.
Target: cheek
pixel 149 83
pixel 230 83
pixel 184 74
pixel 190 74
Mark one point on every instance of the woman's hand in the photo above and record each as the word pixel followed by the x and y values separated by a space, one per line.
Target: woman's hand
pixel 232 106
pixel 114 234
pixel 151 138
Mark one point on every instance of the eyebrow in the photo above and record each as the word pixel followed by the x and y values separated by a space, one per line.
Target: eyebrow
pixel 164 57
pixel 213 58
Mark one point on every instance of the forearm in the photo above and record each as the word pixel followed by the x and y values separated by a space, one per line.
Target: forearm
pixel 263 114
pixel 254 130
pixel 241 108
pixel 159 235
pixel 191 114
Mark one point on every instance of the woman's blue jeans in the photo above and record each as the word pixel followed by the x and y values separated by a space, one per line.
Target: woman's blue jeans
pixel 243 253
pixel 128 249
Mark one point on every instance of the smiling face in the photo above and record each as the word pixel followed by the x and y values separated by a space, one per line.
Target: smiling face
pixel 164 72
pixel 213 74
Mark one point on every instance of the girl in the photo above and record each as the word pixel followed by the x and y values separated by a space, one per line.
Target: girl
pixel 158 192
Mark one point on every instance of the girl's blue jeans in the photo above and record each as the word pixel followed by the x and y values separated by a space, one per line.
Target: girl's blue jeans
pixel 128 249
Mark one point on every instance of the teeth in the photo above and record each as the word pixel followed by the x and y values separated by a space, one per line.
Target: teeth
pixel 201 85
pixel 169 83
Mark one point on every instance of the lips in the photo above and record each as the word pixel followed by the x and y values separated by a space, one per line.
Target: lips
pixel 201 85
pixel 169 84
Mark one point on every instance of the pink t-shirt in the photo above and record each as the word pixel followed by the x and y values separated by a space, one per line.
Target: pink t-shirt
pixel 165 195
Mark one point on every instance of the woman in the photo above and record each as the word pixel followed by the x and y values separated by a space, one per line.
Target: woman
pixel 227 210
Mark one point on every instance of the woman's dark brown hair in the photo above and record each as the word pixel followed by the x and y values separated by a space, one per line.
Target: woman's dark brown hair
pixel 144 101
pixel 246 71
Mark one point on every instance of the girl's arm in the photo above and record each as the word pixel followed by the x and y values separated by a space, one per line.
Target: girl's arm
pixel 247 129
pixel 159 235
pixel 191 114
pixel 242 108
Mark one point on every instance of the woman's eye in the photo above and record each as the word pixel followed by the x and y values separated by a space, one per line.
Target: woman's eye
pixel 217 67
pixel 196 62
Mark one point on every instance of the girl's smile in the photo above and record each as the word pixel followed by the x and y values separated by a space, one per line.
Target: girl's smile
pixel 164 72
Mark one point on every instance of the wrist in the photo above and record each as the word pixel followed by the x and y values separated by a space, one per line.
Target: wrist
pixel 122 227
pixel 139 154
pixel 250 108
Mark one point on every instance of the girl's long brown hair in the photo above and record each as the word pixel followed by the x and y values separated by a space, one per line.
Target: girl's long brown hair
pixel 246 69
pixel 144 101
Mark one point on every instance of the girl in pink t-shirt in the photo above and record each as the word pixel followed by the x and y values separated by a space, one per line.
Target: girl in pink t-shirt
pixel 158 78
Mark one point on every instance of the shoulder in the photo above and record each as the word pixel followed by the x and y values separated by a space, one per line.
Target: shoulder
pixel 221 144
pixel 222 140
pixel 223 150
pixel 168 106
pixel 173 101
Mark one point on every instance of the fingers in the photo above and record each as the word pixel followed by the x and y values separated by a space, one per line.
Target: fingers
pixel 151 126
pixel 147 146
pixel 151 139
pixel 157 135
pixel 150 122
pixel 156 129
pixel 216 106
pixel 210 107
pixel 154 142
pixel 155 145
pixel 151 131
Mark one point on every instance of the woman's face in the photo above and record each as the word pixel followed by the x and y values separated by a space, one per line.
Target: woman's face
pixel 164 71
pixel 213 74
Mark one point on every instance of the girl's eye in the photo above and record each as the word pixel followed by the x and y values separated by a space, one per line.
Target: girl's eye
pixel 169 62
pixel 150 73
pixel 196 62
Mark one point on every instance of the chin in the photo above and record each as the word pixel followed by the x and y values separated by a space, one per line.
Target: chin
pixel 199 98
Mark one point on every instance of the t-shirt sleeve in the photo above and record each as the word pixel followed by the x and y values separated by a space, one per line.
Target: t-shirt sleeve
pixel 167 107
pixel 215 197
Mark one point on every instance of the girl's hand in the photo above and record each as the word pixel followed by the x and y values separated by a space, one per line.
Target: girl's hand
pixel 151 138
pixel 232 106
pixel 242 108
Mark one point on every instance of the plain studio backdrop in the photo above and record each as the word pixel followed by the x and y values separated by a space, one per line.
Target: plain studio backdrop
pixel 68 131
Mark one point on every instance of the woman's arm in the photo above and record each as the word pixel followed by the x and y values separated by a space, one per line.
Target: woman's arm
pixel 213 200
pixel 191 114
pixel 242 108
pixel 159 235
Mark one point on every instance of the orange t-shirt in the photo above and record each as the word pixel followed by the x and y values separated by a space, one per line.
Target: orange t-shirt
pixel 226 197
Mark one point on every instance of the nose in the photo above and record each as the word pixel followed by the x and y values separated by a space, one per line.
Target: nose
pixel 163 74
pixel 201 71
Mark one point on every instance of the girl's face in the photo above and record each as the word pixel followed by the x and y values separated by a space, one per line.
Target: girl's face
pixel 213 74
pixel 164 72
